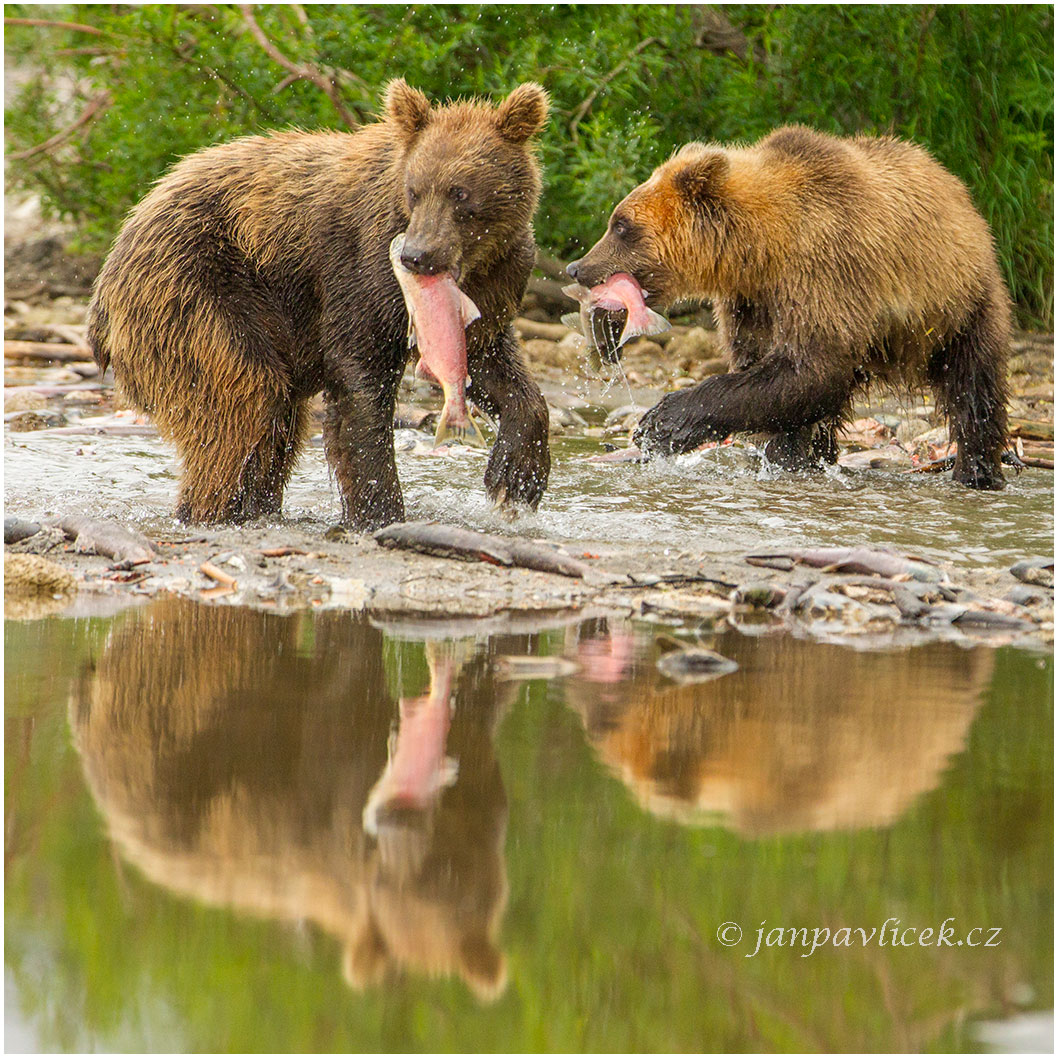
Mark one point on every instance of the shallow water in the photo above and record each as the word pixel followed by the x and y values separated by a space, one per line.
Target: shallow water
pixel 236 831
pixel 719 502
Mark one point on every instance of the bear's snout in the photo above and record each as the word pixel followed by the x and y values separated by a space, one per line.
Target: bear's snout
pixel 427 260
pixel 571 269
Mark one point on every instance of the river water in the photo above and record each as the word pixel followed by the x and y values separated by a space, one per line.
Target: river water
pixel 235 831
pixel 720 502
pixel 230 830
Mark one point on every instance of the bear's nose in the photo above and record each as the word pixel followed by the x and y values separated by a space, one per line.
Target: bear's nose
pixel 571 269
pixel 420 260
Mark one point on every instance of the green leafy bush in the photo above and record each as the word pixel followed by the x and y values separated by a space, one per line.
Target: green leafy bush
pixel 629 83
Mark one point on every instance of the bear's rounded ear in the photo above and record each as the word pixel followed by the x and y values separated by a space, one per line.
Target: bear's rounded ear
pixel 523 113
pixel 700 175
pixel 406 107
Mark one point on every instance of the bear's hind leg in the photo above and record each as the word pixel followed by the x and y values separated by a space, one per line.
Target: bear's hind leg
pixel 267 470
pixel 968 378
pixel 238 468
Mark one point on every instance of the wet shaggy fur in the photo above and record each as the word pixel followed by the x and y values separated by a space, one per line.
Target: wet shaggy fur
pixel 256 274
pixel 830 262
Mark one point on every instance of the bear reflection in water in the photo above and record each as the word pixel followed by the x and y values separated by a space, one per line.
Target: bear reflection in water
pixel 236 755
pixel 803 737
pixel 270 764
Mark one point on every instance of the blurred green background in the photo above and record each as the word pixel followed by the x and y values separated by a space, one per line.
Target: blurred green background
pixel 629 83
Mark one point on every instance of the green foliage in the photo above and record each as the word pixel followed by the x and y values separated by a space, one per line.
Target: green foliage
pixel 974 84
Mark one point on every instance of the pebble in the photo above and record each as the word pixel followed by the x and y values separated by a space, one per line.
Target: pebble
pixel 759 595
pixel 695 664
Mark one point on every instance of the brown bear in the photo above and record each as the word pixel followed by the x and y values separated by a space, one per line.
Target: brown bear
pixel 829 262
pixel 780 745
pixel 256 801
pixel 256 273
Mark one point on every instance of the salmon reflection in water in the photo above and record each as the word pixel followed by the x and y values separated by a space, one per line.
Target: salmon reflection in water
pixel 273 765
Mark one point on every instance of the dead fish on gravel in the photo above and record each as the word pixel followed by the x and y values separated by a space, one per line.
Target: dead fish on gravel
pixel 438 316
pixel 1036 570
pixel 694 665
pixel 882 563
pixel 16 529
pixel 452 541
pixel 619 292
pixel 100 537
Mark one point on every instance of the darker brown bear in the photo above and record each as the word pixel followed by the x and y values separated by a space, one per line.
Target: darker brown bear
pixel 256 274
pixel 829 262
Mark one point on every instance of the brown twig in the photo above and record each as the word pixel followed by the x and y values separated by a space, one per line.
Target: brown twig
pixel 100 102
pixel 75 27
pixel 325 82
pixel 214 573
pixel 585 106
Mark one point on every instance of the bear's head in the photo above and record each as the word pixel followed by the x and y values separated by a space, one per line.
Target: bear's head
pixel 471 181
pixel 666 233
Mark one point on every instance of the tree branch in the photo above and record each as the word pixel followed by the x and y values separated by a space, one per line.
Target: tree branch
pixel 75 27
pixel 326 83
pixel 585 106
pixel 100 102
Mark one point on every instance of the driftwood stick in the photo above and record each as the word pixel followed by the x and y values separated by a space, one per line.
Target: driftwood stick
pixel 554 332
pixel 21 350
pixel 217 574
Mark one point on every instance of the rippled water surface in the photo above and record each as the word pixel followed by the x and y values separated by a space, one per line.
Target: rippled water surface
pixel 718 502
pixel 235 831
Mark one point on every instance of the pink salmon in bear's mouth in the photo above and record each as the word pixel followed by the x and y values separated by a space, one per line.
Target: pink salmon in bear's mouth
pixel 438 316
pixel 619 292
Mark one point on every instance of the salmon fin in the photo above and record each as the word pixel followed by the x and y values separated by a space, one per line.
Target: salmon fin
pixel 470 434
pixel 656 323
pixel 572 321
pixel 469 311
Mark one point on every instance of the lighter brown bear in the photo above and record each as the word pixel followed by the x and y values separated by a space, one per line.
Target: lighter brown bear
pixel 830 262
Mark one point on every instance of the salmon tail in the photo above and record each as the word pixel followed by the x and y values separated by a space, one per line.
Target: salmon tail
pixel 654 323
pixel 468 433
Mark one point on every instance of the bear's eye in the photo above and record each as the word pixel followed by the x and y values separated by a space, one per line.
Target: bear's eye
pixel 413 196
pixel 460 194
pixel 620 228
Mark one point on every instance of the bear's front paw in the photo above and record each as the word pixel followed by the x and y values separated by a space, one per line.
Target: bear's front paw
pixel 517 475
pixel 675 424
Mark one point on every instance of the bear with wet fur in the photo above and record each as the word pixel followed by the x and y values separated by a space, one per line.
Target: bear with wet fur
pixel 830 262
pixel 256 274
